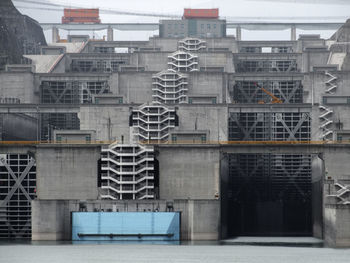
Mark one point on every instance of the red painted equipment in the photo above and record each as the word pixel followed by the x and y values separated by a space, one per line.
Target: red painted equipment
pixel 201 13
pixel 81 16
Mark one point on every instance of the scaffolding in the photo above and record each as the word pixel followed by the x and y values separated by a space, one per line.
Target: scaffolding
pixel 17 189
pixel 127 172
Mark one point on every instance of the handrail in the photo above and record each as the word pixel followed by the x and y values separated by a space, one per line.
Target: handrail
pixel 139 235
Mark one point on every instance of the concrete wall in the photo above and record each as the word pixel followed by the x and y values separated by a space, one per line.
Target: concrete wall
pixel 166 44
pixel 205 117
pixel 211 83
pixel 227 42
pixel 317 195
pixel 152 61
pixel 204 219
pixel 136 87
pixel 51 219
pixel 337 162
pixel 67 171
pixel 337 225
pixel 216 59
pixel 311 58
pixel 112 122
pixel 109 122
pixel 337 216
pixel 18 85
pixel 188 172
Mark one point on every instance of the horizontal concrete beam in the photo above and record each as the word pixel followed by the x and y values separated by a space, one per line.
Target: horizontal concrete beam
pixel 88 27
pixel 35 108
pixel 266 147
pixel 283 26
pixel 155 26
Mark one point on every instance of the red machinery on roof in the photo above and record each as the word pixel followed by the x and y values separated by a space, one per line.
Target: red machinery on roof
pixel 81 16
pixel 201 13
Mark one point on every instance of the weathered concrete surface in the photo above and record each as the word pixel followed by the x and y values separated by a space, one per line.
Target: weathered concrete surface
pixel 51 219
pixel 189 172
pixel 109 122
pixel 337 225
pixel 20 86
pixel 212 118
pixel 67 171
pixel 136 88
pixel 317 181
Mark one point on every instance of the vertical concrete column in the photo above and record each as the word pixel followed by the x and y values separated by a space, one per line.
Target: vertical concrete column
pixel 293 33
pixel 55 35
pixel 238 33
pixel 109 33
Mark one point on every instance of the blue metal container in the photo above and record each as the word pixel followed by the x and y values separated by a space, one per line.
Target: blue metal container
pixel 133 226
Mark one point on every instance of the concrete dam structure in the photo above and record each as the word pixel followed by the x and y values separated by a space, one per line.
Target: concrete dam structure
pixel 236 138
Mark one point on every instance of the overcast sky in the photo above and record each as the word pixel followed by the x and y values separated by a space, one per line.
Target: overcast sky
pixel 229 9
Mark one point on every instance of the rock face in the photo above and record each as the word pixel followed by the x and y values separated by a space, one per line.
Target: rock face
pixel 343 33
pixel 19 34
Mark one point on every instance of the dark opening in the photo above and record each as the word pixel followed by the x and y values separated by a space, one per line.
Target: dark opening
pixel 268 195
pixel 99 173
pixel 156 178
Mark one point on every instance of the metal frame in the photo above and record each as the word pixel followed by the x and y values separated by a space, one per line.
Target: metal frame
pixel 152 123
pixel 270 177
pixel 71 92
pixel 127 172
pixel 249 92
pixel 267 65
pixel 57 121
pixel 17 190
pixel 269 126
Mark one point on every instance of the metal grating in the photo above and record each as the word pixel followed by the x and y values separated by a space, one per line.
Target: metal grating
pixel 266 66
pixel 101 66
pixel 71 92
pixel 269 126
pixel 17 189
pixel 269 177
pixel 250 91
pixel 57 121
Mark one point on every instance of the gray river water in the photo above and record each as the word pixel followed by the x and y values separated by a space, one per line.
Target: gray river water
pixel 67 252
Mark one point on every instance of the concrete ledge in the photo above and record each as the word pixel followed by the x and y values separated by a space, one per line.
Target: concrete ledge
pixel 275 241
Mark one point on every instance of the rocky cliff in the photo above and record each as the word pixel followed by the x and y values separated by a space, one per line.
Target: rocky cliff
pixel 19 34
